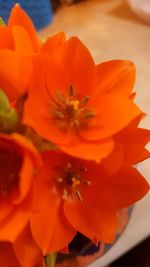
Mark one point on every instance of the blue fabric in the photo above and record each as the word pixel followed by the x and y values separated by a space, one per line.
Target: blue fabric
pixel 40 11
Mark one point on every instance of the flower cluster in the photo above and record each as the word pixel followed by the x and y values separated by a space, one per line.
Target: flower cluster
pixel 69 143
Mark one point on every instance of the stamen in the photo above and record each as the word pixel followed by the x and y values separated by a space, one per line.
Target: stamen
pixel 65 194
pixel 87 182
pixel 84 100
pixel 79 195
pixel 61 97
pixel 59 180
pixel 72 92
pixel 75 182
pixel 75 123
pixel 59 114
pixel 69 166
pixel 89 115
pixel 75 104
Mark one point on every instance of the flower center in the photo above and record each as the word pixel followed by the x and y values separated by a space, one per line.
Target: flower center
pixel 69 182
pixel 70 111
pixel 10 165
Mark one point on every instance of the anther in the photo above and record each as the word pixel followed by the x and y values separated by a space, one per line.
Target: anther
pixel 83 169
pixel 72 92
pixel 59 114
pixel 59 180
pixel 75 182
pixel 79 195
pixel 69 166
pixel 75 104
pixel 65 194
pixel 87 182
pixel 84 100
pixel 89 115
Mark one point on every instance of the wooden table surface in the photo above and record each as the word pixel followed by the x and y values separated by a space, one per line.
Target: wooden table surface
pixel 111 31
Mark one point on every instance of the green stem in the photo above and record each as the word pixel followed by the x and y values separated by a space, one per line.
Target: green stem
pixel 51 260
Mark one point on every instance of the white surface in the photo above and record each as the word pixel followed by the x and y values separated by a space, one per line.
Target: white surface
pixel 141 8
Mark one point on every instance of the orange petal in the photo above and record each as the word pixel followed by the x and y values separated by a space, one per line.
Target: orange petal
pixel 26 250
pixel 114 161
pixel 15 71
pixel 116 76
pixel 14 223
pixel 6 207
pixel 44 181
pixel 134 153
pixel 127 186
pixel 133 140
pixel 58 231
pixel 113 113
pixel 42 122
pixel 29 148
pixel 41 263
pixel 6 38
pixel 88 150
pixel 133 135
pixel 79 67
pixel 26 178
pixel 95 217
pixel 22 41
pixel 54 45
pixel 41 119
pixel 7 255
pixel 20 18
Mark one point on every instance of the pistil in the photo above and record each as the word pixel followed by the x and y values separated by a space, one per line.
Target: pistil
pixel 71 111
pixel 70 181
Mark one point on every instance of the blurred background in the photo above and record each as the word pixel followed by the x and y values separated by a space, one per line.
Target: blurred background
pixel 111 29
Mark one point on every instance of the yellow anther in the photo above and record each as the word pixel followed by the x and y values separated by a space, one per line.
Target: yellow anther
pixel 65 194
pixel 79 195
pixel 75 104
pixel 75 181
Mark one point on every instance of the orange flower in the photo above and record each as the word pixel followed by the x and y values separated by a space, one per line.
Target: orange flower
pixel 8 257
pixel 76 195
pixel 17 42
pixel 133 140
pixel 129 147
pixel 18 159
pixel 80 106
pixel 26 250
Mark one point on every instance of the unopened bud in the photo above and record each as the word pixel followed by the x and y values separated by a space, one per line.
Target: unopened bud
pixel 2 22
pixel 4 102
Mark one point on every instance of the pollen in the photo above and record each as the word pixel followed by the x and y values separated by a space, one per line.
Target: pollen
pixel 75 104
pixel 75 182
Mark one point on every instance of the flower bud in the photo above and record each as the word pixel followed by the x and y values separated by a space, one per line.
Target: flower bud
pixel 8 115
